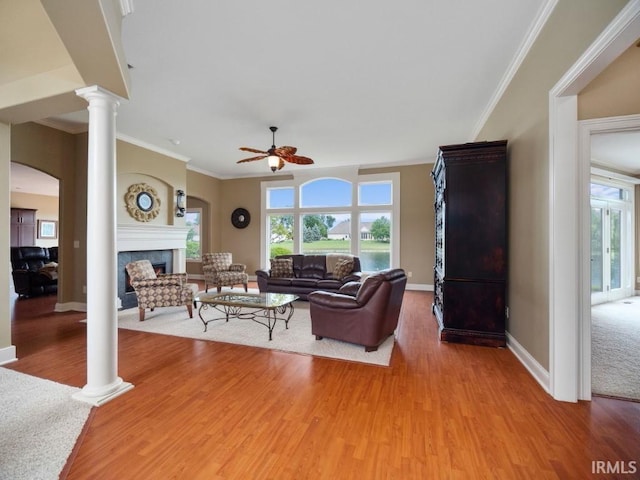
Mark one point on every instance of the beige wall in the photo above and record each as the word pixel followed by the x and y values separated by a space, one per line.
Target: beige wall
pixel 522 117
pixel 165 174
pixel 616 91
pixel 243 243
pixel 46 208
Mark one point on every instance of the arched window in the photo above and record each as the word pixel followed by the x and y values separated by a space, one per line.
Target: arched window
pixel 333 215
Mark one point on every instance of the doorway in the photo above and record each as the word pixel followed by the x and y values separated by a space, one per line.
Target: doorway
pixel 614 367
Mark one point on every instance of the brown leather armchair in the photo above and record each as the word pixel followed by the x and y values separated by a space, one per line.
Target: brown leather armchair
pixel 367 318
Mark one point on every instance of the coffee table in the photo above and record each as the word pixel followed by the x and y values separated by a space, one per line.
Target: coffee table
pixel 262 308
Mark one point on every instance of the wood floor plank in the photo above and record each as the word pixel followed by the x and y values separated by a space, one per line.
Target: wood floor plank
pixel 217 411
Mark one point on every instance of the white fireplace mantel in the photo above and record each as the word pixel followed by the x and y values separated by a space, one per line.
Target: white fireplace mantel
pixel 133 238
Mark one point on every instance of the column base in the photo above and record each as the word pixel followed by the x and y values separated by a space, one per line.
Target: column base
pixel 100 399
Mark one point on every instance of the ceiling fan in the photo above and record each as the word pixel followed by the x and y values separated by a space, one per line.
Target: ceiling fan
pixel 276 156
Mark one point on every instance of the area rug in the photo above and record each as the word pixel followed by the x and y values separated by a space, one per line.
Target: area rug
pixel 296 339
pixel 39 426
pixel 615 349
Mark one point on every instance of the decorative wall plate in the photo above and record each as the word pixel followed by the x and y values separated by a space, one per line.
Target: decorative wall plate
pixel 142 202
pixel 240 218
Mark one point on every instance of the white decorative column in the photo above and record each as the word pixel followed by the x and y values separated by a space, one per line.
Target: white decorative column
pixel 103 382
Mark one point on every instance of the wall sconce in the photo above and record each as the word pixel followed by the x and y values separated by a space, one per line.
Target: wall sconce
pixel 181 203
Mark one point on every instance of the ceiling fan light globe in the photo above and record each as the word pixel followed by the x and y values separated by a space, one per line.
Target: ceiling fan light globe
pixel 273 162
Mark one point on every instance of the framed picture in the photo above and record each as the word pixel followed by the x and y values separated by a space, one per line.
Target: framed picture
pixel 47 229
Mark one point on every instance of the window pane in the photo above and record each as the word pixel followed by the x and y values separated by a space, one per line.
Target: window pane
pixel 280 197
pixel 192 218
pixel 326 233
pixel 375 241
pixel 596 250
pixel 280 235
pixel 605 191
pixel 616 250
pixel 326 192
pixel 378 193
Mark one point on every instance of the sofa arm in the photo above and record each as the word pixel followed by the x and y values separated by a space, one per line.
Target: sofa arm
pixel 21 282
pixel 332 300
pixel 263 273
pixel 353 277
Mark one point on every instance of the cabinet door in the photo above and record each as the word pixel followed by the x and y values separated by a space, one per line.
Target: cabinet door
pixel 475 239
pixel 27 235
pixel 28 217
pixel 474 306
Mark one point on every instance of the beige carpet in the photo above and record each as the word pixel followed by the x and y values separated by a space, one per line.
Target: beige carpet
pixel 39 426
pixel 296 339
pixel 615 348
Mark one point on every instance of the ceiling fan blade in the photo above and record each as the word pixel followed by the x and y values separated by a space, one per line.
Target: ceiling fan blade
pixel 298 159
pixel 253 150
pixel 260 157
pixel 285 151
pixel 280 163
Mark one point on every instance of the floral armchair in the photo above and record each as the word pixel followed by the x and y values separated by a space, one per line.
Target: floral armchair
pixel 220 271
pixel 160 290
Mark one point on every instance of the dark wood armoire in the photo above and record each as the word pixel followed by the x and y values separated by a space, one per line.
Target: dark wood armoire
pixel 470 272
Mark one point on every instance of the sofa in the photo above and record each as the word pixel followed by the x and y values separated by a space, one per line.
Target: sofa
pixel 302 274
pixel 34 270
pixel 363 314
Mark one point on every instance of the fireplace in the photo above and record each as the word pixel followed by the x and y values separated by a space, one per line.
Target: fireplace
pixel 161 260
pixel 157 267
pixel 160 244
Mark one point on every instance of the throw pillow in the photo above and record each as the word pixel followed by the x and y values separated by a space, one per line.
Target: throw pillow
pixel 281 268
pixel 342 268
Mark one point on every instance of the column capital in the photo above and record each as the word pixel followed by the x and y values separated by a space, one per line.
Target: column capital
pixel 95 92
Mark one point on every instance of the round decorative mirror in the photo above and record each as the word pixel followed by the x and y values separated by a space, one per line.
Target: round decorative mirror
pixel 142 202
pixel 240 218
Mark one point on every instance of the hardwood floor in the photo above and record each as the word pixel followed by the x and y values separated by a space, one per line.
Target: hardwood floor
pixel 207 410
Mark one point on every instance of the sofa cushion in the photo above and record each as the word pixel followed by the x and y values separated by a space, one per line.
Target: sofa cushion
pixel 329 284
pixel 305 282
pixel 281 268
pixel 342 268
pixel 313 266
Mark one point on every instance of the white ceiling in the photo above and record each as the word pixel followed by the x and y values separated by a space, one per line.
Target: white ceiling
pixel 347 85
pixel 383 85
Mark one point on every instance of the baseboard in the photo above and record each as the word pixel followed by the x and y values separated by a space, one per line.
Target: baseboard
pixel 70 306
pixel 8 355
pixel 423 287
pixel 531 364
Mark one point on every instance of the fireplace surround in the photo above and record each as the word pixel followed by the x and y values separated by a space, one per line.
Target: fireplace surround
pixel 159 244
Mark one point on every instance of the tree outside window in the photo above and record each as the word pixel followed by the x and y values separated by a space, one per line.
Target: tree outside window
pixel 193 218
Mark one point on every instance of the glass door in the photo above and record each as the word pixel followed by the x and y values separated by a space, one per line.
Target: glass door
pixel 610 254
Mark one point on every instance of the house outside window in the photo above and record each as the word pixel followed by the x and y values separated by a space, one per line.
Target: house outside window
pixel 347 214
